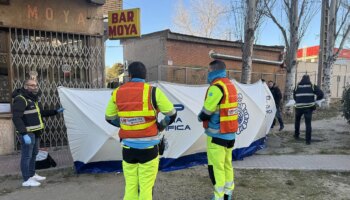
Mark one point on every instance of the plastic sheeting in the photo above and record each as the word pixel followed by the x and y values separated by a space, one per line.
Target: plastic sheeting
pixel 95 145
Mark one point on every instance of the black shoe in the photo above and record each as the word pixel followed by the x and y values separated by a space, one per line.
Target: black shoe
pixel 281 128
pixel 228 197
pixel 308 142
pixel 296 137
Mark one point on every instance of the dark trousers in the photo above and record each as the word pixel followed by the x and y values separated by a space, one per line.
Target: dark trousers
pixel 307 112
pixel 134 156
pixel 28 156
pixel 279 118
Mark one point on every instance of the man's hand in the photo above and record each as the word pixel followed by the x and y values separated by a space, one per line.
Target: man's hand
pixel 60 110
pixel 199 119
pixel 27 139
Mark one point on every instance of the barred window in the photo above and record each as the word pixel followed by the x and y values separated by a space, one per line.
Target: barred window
pixel 5 93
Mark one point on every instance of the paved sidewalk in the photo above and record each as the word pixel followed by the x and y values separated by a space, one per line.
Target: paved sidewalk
pixel 295 162
pixel 10 164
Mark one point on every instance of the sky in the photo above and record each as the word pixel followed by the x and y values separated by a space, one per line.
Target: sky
pixel 157 15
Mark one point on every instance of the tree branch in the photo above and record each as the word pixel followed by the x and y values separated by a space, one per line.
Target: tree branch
pixel 346 35
pixel 310 10
pixel 286 3
pixel 302 10
pixel 270 15
pixel 342 23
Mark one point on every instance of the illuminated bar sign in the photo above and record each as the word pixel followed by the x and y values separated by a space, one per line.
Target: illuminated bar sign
pixel 124 24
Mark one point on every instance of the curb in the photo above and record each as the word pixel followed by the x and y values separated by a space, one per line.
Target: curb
pixel 66 170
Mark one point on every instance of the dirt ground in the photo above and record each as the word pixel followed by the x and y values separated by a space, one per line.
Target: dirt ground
pixel 188 184
pixel 331 135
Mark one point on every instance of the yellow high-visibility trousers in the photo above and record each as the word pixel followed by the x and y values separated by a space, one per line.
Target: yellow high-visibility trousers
pixel 140 179
pixel 220 168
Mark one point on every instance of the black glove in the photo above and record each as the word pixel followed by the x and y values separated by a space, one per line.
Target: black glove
pixel 162 125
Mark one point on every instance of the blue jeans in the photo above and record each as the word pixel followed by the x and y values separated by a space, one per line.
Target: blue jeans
pixel 28 155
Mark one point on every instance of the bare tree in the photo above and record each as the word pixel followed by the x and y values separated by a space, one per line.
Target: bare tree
pixel 253 15
pixel 292 32
pixel 182 19
pixel 202 18
pixel 339 13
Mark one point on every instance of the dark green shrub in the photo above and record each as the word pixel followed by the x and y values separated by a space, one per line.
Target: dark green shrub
pixel 346 103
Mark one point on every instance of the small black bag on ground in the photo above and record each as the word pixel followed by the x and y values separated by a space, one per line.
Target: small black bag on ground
pixel 44 160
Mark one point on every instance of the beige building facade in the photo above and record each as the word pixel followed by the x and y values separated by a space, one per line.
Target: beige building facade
pixel 59 41
pixel 340 77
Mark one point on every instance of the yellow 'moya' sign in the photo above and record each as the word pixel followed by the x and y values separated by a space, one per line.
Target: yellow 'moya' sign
pixel 124 23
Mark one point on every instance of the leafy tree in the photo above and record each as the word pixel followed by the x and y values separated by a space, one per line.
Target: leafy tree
pixel 113 72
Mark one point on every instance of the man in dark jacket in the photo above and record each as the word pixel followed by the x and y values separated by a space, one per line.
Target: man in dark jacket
pixel 27 118
pixel 277 96
pixel 304 96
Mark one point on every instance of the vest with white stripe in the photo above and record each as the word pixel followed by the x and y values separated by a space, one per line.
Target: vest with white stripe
pixel 31 116
pixel 304 96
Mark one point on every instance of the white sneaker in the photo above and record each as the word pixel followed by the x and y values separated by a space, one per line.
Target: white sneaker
pixel 36 177
pixel 31 183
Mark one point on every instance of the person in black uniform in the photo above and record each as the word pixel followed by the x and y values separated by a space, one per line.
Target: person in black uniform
pixel 305 94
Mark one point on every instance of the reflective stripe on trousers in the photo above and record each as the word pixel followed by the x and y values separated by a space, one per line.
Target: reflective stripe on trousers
pixel 220 168
pixel 140 179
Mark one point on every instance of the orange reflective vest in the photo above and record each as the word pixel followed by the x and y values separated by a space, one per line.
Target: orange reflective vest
pixel 227 107
pixel 136 112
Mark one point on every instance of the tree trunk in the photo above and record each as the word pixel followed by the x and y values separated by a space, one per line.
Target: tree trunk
pixel 248 42
pixel 326 84
pixel 290 77
pixel 328 63
pixel 291 57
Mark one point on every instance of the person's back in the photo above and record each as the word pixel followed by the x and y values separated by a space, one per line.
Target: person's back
pixel 305 92
pixel 220 121
pixel 305 95
pixel 134 107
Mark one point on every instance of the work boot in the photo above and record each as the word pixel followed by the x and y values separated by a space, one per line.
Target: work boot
pixel 228 197
pixel 308 142
pixel 31 183
pixel 36 177
pixel 281 127
pixel 296 136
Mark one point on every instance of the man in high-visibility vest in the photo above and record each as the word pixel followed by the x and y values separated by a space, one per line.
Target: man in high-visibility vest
pixel 134 107
pixel 27 117
pixel 220 121
pixel 305 94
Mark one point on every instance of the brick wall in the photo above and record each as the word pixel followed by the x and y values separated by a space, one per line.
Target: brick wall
pixel 149 50
pixel 178 58
pixel 195 54
pixel 112 5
